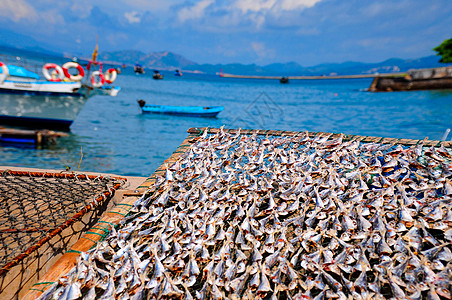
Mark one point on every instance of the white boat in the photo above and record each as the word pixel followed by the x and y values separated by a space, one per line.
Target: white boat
pixel 54 103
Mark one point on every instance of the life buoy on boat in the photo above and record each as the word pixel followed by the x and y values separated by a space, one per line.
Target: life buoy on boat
pixel 71 64
pixel 5 70
pixel 110 75
pixel 97 79
pixel 58 71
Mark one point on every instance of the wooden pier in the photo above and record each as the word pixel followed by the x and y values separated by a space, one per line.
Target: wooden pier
pixel 35 137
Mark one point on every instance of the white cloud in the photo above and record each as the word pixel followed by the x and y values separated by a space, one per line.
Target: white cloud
pixel 273 5
pixel 259 11
pixel 254 5
pixel 81 9
pixel 52 17
pixel 147 4
pixel 17 10
pixel 297 4
pixel 194 12
pixel 261 51
pixel 132 17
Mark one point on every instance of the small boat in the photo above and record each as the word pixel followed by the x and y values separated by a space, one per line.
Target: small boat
pixel 157 75
pixel 177 73
pixel 138 69
pixel 284 80
pixel 191 111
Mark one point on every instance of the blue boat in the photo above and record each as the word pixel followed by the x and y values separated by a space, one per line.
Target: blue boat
pixel 191 111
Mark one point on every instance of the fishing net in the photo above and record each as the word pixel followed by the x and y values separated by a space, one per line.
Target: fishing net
pixel 36 206
pixel 302 216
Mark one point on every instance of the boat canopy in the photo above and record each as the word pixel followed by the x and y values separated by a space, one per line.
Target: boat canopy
pixel 17 71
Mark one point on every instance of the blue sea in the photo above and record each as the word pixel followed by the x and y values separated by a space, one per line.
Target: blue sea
pixel 114 137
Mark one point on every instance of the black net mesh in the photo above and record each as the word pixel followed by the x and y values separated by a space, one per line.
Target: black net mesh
pixel 33 206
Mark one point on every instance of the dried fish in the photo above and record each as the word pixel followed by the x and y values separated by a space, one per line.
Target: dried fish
pixel 245 217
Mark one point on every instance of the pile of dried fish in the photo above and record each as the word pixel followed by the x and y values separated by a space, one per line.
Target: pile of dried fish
pixel 281 217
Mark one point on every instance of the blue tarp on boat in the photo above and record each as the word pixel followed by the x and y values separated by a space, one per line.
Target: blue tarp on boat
pixel 21 72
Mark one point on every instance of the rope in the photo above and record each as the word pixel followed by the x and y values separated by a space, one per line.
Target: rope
pixel 74 251
pixel 96 233
pixel 126 204
pixel 86 238
pixel 47 283
pixel 115 212
pixel 109 223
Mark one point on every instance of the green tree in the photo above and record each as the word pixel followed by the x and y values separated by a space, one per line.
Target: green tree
pixel 445 50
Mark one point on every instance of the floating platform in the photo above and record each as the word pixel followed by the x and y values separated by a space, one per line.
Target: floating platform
pixel 33 137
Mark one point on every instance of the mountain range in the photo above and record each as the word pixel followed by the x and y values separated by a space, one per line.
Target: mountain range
pixel 167 60
pixel 171 61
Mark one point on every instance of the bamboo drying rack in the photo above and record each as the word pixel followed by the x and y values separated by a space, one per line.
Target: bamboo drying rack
pixel 114 216
pixel 360 138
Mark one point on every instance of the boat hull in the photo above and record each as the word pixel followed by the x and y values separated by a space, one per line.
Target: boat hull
pixel 55 89
pixel 38 123
pixel 38 88
pixel 190 111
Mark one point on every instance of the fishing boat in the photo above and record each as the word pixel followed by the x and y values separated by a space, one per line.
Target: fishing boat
pixel 191 111
pixel 157 75
pixel 284 80
pixel 54 101
pixel 18 80
pixel 138 69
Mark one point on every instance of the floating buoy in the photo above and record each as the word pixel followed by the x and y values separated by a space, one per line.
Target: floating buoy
pixel 110 75
pixel 97 79
pixel 69 65
pixel 4 69
pixel 58 71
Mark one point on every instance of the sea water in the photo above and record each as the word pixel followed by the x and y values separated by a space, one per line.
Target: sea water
pixel 110 135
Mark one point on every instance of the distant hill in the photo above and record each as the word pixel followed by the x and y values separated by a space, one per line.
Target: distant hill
pixel 345 68
pixel 170 61
pixel 387 66
pixel 11 40
pixel 157 60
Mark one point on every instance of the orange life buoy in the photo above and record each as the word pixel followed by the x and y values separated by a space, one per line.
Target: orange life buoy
pixel 58 71
pixel 110 75
pixel 4 69
pixel 97 79
pixel 71 64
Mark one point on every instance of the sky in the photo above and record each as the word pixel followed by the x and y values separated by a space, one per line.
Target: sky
pixel 308 32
